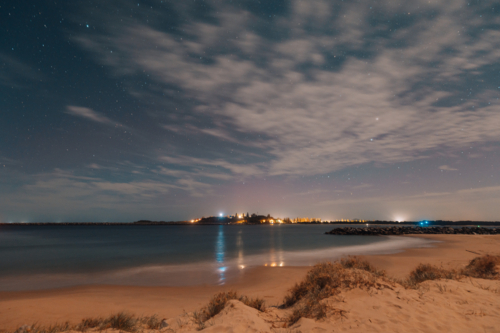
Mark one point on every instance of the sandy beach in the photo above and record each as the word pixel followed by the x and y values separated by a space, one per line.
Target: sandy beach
pixel 469 305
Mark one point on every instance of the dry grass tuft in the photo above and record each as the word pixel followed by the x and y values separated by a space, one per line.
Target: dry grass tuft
pixel 308 309
pixel 325 280
pixel 256 303
pixel 482 267
pixel 425 272
pixel 151 322
pixel 89 323
pixel 44 329
pixel 121 321
pixel 219 301
pixel 355 262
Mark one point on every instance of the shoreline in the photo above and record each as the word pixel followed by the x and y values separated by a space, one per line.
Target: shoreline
pixel 271 283
pixel 207 272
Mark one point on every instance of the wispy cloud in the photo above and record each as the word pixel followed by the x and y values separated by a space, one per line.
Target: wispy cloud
pixel 71 195
pixel 216 165
pixel 447 168
pixel 8 161
pixel 14 73
pixel 91 115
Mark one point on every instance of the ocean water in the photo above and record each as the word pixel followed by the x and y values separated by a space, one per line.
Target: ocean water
pixel 41 257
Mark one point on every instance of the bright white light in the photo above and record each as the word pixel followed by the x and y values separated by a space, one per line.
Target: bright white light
pixel 220 214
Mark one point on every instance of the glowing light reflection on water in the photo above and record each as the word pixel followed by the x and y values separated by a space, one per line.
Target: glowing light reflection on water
pixel 220 254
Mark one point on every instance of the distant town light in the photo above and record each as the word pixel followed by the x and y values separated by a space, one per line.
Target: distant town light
pixel 220 214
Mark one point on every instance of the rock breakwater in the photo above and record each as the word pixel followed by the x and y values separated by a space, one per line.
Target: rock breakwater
pixel 394 231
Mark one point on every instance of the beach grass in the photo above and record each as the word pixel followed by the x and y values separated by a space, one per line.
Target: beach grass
pixel 328 279
pixel 483 267
pixel 121 321
pixel 218 303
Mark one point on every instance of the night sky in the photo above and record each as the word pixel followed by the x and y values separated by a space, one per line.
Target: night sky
pixel 173 110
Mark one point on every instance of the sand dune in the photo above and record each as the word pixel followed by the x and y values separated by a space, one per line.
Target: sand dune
pixel 468 305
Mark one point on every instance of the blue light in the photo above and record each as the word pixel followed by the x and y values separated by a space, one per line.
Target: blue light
pixel 220 253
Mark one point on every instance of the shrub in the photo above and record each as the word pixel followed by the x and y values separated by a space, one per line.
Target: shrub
pixel 326 280
pixel 482 267
pixel 151 322
pixel 120 321
pixel 44 329
pixel 308 309
pixel 89 323
pixel 256 303
pixel 219 301
pixel 425 272
pixel 355 262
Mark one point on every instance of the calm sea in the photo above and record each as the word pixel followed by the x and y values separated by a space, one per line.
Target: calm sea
pixel 40 257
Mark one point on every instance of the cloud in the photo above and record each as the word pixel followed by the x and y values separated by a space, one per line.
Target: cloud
pixel 316 101
pixel 216 168
pixel 447 168
pixel 78 196
pixel 90 114
pixel 14 73
pixel 8 161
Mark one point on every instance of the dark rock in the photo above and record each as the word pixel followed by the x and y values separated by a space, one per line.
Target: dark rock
pixel 390 231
